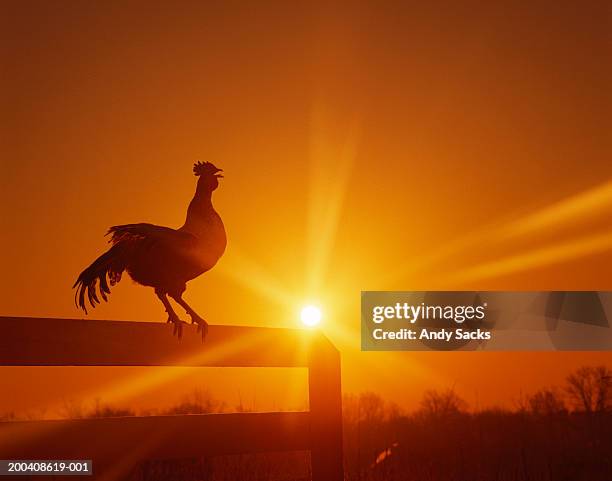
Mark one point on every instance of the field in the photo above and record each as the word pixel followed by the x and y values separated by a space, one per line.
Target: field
pixel 555 434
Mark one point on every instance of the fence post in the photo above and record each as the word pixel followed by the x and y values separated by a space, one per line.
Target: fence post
pixel 325 397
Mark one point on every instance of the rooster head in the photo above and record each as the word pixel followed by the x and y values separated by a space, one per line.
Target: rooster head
pixel 201 169
pixel 208 174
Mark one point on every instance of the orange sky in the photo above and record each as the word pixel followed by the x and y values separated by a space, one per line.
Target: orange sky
pixel 365 145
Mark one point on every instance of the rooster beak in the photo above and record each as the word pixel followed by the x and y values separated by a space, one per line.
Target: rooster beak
pixel 219 175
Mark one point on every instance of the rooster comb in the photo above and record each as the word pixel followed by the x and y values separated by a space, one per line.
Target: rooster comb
pixel 201 168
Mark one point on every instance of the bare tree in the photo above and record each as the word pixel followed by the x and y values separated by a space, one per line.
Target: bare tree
pixel 200 401
pixel 441 404
pixel 371 406
pixel 102 410
pixel 546 402
pixel 590 389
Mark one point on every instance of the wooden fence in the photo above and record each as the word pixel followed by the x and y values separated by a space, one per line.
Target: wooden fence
pixel 115 445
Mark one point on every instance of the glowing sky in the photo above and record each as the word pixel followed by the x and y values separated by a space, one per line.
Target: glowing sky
pixel 365 146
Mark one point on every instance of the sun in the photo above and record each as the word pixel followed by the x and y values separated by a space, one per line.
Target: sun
pixel 310 315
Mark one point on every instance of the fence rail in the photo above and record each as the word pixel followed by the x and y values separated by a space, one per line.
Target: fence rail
pixel 117 444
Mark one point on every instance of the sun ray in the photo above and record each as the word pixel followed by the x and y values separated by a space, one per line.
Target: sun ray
pixel 580 206
pixel 576 248
pixel 563 212
pixel 245 271
pixel 330 168
pixel 129 387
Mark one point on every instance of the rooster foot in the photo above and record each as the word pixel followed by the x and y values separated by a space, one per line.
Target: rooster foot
pixel 178 325
pixel 202 324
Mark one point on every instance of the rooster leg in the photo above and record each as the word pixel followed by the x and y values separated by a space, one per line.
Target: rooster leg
pixel 172 316
pixel 195 318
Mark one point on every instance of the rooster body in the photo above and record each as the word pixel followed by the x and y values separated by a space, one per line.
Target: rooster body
pixel 161 257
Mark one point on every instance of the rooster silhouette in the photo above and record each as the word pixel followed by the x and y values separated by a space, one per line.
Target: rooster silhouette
pixel 161 257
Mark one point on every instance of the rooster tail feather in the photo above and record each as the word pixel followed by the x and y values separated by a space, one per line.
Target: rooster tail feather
pixel 111 264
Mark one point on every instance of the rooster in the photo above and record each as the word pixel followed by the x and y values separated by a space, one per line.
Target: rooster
pixel 161 257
